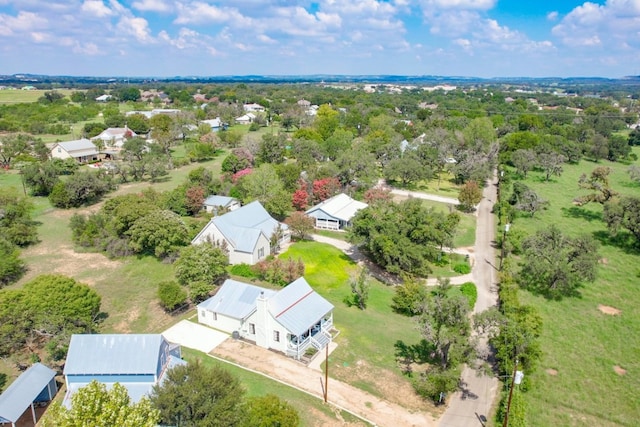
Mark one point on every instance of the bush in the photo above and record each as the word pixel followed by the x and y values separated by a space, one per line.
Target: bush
pixel 469 290
pixel 462 268
pixel 171 295
pixel 243 270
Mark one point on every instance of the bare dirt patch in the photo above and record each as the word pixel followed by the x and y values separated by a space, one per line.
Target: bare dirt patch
pixel 552 372
pixel 619 370
pixel 611 311
pixel 604 261
pixel 124 326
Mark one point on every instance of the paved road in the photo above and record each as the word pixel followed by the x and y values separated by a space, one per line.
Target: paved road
pixel 470 406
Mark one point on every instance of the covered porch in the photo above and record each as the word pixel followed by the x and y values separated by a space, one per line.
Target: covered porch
pixel 317 336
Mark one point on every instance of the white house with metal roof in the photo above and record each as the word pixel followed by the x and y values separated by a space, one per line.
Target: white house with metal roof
pixel 290 320
pixel 214 204
pixel 335 213
pixel 136 361
pixel 246 233
pixel 114 137
pixel 83 150
pixel 37 384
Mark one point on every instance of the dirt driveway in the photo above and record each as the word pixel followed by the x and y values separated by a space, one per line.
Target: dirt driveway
pixel 378 411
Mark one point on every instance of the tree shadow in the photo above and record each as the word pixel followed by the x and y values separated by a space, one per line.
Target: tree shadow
pixel 582 213
pixel 3 380
pixel 621 240
pixel 408 354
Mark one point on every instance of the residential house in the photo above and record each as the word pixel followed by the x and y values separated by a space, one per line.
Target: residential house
pixel 37 385
pixel 103 98
pixel 114 137
pixel 253 107
pixel 136 361
pixel 290 320
pixel 335 213
pixel 245 119
pixel 220 204
pixel 215 124
pixel 83 150
pixel 246 232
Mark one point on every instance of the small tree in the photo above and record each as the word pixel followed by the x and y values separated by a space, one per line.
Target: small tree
pixel 171 295
pixel 360 289
pixel 409 297
pixel 202 263
pixel 94 405
pixel 470 195
pixel 269 411
pixel 300 224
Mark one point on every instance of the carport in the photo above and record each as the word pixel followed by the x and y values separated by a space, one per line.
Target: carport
pixel 36 384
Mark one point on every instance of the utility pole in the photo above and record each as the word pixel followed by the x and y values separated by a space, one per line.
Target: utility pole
pixel 516 378
pixel 502 246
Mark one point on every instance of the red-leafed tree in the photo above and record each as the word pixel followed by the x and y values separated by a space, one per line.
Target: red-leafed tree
pixel 244 172
pixel 325 188
pixel 300 199
pixel 194 199
pixel 375 195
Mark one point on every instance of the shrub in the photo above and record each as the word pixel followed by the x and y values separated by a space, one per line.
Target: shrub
pixel 243 270
pixel 469 290
pixel 171 295
pixel 462 268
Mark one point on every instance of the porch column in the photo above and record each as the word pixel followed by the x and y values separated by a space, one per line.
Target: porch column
pixel 33 413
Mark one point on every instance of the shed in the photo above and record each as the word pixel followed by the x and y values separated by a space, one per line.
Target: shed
pixel 36 384
pixel 335 213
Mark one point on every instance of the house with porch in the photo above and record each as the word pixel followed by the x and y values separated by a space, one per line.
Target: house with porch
pixel 291 320
pixel 83 150
pixel 136 361
pixel 336 212
pixel 246 233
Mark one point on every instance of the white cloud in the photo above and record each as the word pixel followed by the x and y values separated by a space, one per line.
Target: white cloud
pixel 459 4
pixel 96 8
pixel 266 39
pixel 152 6
pixel 86 48
pixel 137 27
pixel 552 16
pixel 204 13
pixel 613 25
pixel 23 22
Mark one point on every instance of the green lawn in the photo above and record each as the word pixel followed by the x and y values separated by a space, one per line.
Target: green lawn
pixel 365 355
pixel 20 96
pixel 582 344
pixel 308 406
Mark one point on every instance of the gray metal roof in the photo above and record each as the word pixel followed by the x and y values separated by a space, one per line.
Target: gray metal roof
pixel 23 391
pixel 235 299
pixel 242 227
pixel 216 200
pixel 298 307
pixel 79 145
pixel 113 354
pixel 340 206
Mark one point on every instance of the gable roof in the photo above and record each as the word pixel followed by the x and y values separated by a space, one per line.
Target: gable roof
pixel 215 200
pixel 79 147
pixel 24 391
pixel 340 206
pixel 113 132
pixel 298 306
pixel 115 354
pixel 243 226
pixel 235 299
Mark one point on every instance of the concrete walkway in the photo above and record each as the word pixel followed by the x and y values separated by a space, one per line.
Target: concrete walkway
pixel 195 336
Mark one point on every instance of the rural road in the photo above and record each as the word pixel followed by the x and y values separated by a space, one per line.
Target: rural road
pixel 472 405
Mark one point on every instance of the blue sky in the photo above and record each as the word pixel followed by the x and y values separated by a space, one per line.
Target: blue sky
pixel 483 38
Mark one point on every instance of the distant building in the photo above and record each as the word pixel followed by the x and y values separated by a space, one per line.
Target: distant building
pixel 218 204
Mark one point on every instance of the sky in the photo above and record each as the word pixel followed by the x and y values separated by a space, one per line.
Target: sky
pixel 472 38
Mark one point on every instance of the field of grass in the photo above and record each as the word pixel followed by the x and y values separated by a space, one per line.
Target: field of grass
pixel 19 96
pixel 365 356
pixel 308 406
pixel 579 341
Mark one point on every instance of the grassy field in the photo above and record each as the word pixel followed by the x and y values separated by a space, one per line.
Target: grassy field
pixel 312 411
pixel 365 356
pixel 19 96
pixel 579 341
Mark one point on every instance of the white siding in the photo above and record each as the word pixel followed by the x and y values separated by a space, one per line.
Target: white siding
pixel 223 323
pixel 58 152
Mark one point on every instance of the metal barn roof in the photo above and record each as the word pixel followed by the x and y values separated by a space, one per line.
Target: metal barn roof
pixel 113 354
pixel 340 206
pixel 23 391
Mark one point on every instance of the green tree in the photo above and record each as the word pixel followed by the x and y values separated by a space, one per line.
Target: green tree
pixel 16 224
pixel 409 297
pixel 196 395
pixel 524 161
pixel 11 266
pixel 623 213
pixel 551 164
pixel 556 265
pixel 202 263
pixel 326 121
pixel 94 405
pixel 469 196
pixel 171 295
pixel 12 146
pixel 159 233
pixel 264 184
pixel 269 411
pixel 360 289
pixel 598 182
pixel 407 169
pixel 138 123
pixel 271 149
pixel 40 177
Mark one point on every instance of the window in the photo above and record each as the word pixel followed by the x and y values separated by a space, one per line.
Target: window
pixel 261 253
pixel 252 328
pixel 214 315
pixel 276 336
